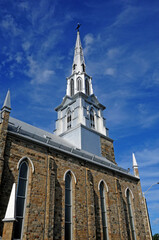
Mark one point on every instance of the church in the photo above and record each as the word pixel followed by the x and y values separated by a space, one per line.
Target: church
pixel 67 185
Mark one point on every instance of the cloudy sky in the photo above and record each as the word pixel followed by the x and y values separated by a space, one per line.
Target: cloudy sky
pixel 120 39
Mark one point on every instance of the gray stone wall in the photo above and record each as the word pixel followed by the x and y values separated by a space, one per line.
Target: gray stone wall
pixel 45 215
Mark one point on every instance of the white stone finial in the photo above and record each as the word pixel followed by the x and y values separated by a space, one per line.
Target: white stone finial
pixel 134 161
pixel 11 208
pixel 7 104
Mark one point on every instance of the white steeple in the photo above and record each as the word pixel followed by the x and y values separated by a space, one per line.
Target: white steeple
pixel 10 212
pixel 78 61
pixel 80 115
pixel 79 81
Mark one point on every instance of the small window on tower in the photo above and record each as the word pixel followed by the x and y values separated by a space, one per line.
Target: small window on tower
pixel 79 84
pixel 74 66
pixel 87 87
pixel 83 67
pixel 72 87
pixel 69 119
pixel 92 118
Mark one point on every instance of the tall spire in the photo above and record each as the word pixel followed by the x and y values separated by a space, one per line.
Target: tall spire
pixel 78 61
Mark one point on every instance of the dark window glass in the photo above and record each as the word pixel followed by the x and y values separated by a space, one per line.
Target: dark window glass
pixel 79 85
pixel 69 119
pixel 131 215
pixel 20 199
pixel 83 67
pixel 22 186
pixel 23 171
pixel 68 207
pixel 103 211
pixel 17 228
pixel 87 87
pixel 20 206
pixel 72 87
pixel 92 118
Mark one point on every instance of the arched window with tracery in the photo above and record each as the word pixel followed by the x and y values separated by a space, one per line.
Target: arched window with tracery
pixel 69 119
pixel 130 213
pixel 72 87
pixel 103 211
pixel 68 206
pixel 79 84
pixel 92 122
pixel 87 87
pixel 21 199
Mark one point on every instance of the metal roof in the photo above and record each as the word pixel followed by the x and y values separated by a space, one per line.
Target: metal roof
pixel 37 135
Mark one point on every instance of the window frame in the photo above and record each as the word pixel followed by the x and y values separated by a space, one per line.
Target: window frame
pixel 69 119
pixel 68 206
pixel 103 207
pixel 87 87
pixel 130 213
pixel 79 84
pixel 92 118
pixel 72 90
pixel 22 197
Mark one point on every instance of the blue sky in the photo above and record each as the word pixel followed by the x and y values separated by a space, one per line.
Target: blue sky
pixel 120 39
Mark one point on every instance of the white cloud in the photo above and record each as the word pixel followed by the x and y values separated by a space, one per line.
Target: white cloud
pixel 18 57
pixel 88 39
pixel 26 45
pixel 148 157
pixel 88 42
pixel 156 221
pixel 38 74
pixel 10 25
pixel 110 71
pixel 129 14
pixel 113 52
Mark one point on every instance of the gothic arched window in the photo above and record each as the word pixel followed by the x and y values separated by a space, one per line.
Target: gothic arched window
pixel 92 118
pixel 68 206
pixel 72 87
pixel 87 87
pixel 21 199
pixel 130 212
pixel 69 119
pixel 79 84
pixel 103 211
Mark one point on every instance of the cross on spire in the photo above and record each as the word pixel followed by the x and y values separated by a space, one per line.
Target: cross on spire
pixel 78 26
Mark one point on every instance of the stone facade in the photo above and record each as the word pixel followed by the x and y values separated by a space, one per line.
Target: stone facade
pixel 107 149
pixel 45 205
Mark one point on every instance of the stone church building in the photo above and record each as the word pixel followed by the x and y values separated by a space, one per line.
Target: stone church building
pixel 67 185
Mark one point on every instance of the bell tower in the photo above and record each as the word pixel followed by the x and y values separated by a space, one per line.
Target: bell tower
pixel 80 115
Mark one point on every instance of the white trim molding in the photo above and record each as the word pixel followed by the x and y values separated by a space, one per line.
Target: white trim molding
pixel 22 159
pixel 106 186
pixel 130 191
pixel 71 174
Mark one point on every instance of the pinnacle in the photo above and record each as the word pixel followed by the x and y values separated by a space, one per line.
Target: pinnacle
pixel 10 212
pixel 134 161
pixel 7 104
